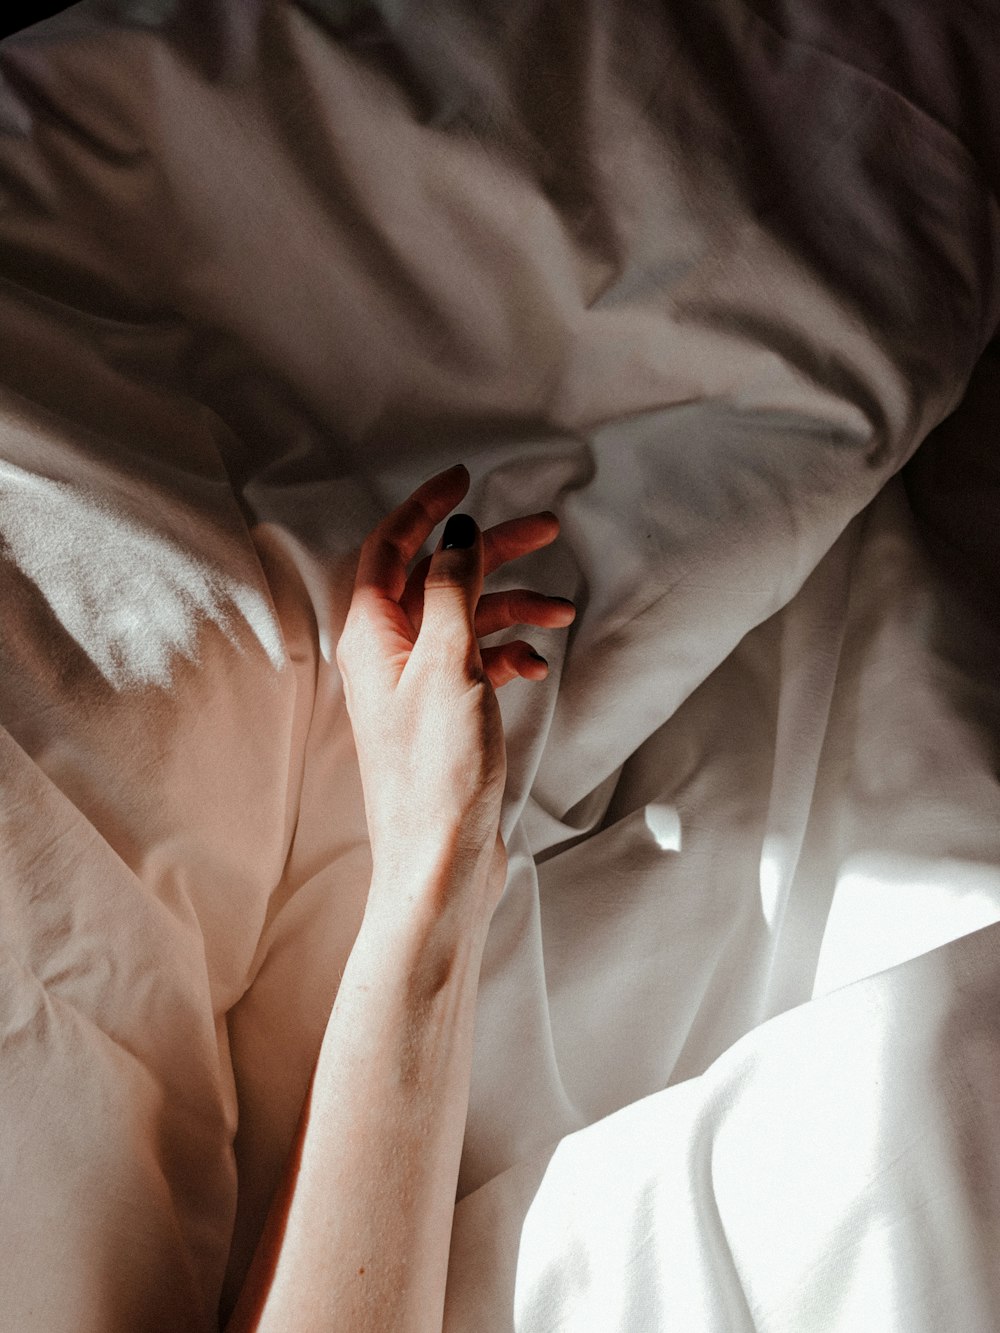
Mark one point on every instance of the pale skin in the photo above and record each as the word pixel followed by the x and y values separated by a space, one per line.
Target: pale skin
pixel 359 1231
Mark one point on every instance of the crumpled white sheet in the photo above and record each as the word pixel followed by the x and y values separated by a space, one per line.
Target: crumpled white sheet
pixel 699 279
pixel 837 1167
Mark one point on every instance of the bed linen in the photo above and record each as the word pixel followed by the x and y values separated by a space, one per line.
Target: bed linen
pixel 718 284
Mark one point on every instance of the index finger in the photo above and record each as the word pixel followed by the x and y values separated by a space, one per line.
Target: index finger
pixel 390 546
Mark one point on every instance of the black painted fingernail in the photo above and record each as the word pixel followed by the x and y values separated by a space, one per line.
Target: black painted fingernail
pixel 459 532
pixel 537 656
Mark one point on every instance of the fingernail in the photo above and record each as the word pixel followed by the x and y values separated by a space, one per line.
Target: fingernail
pixel 565 601
pixel 459 532
pixel 537 656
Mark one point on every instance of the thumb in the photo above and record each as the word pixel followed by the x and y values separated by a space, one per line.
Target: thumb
pixel 454 581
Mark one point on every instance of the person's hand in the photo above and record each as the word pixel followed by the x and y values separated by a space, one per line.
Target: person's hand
pixel 420 691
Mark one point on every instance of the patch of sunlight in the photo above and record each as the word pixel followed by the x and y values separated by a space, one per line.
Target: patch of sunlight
pixel 888 909
pixel 772 878
pixel 664 822
pixel 130 597
pixel 870 1278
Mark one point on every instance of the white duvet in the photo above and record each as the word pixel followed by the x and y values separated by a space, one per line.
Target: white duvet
pixel 698 277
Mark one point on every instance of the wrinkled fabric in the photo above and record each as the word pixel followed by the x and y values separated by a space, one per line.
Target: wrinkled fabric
pixel 716 283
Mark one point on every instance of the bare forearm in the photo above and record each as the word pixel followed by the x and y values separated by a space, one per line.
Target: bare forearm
pixel 359 1234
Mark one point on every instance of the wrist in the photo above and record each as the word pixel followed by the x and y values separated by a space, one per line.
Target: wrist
pixel 406 936
pixel 444 876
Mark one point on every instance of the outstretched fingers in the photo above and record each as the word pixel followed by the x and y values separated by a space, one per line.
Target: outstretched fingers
pixel 392 544
pixel 501 544
pixel 392 603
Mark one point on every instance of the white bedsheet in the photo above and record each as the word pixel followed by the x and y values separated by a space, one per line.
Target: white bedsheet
pixel 700 278
pixel 818 814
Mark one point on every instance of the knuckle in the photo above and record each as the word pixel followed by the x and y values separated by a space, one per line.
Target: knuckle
pixel 521 606
pixel 444 579
pixel 423 509
pixel 449 656
pixel 454 651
